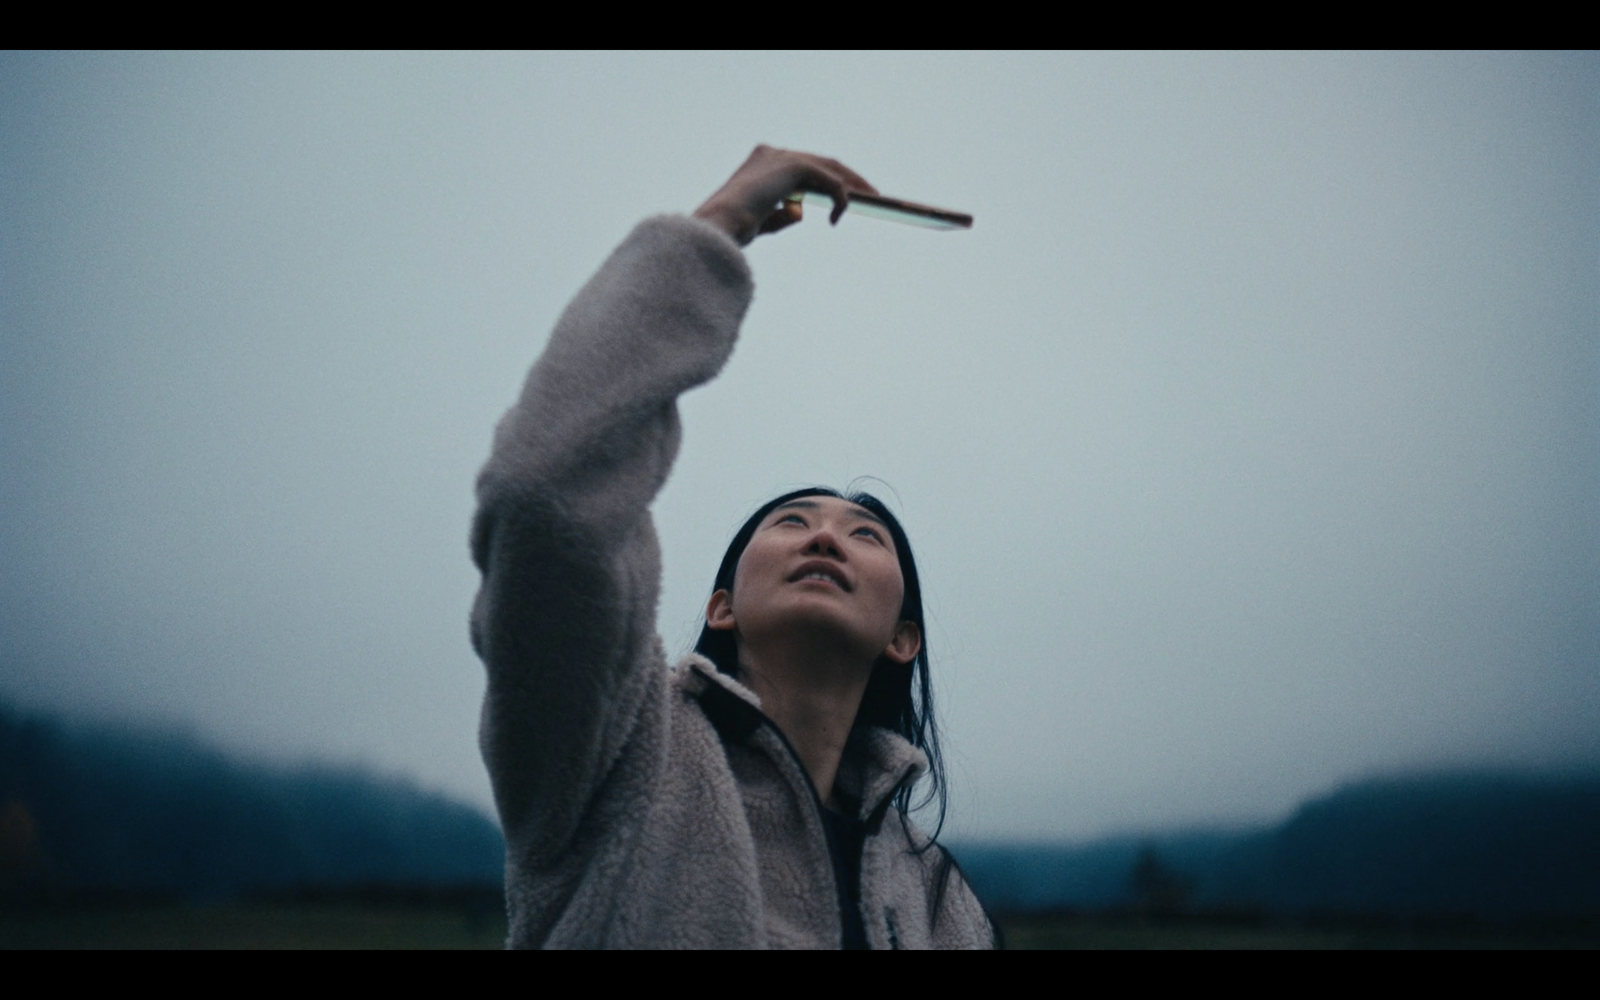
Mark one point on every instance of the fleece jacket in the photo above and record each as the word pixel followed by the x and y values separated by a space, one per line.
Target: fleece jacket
pixel 648 807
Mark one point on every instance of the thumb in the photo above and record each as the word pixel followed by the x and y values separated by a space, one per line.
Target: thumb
pixel 785 215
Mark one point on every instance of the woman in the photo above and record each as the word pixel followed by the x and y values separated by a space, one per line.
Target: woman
pixel 754 795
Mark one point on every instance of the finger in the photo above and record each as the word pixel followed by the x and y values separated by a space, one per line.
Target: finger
pixel 818 178
pixel 841 201
pixel 832 167
pixel 784 216
pixel 852 179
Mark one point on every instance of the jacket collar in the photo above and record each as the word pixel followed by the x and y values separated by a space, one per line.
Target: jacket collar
pixel 877 762
pixel 694 672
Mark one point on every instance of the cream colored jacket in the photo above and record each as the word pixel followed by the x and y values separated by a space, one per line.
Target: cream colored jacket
pixel 645 807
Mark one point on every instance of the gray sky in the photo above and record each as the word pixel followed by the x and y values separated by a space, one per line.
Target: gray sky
pixel 1248 442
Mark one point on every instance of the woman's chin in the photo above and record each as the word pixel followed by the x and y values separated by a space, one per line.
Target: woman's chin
pixel 821 626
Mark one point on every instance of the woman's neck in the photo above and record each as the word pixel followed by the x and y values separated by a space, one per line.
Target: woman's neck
pixel 812 697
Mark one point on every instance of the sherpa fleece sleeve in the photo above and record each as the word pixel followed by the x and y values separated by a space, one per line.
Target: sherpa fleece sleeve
pixel 565 617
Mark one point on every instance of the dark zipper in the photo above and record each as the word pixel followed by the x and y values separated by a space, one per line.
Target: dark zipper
pixel 841 893
pixel 816 800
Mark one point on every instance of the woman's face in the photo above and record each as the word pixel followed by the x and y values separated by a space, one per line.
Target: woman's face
pixel 821 564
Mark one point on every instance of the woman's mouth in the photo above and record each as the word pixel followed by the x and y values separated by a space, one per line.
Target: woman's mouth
pixel 821 574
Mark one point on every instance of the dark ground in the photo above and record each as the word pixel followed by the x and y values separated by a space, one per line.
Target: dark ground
pixel 299 926
pixel 351 917
pixel 1233 932
pixel 353 923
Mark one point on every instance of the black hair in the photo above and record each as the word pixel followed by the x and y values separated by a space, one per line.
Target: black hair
pixel 899 696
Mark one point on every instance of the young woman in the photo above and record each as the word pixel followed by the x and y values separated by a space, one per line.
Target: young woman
pixel 756 794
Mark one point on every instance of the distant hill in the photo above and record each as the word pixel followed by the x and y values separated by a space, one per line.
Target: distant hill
pixel 1093 876
pixel 1490 846
pixel 102 808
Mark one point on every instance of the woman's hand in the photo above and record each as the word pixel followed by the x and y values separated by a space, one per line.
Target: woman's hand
pixel 753 201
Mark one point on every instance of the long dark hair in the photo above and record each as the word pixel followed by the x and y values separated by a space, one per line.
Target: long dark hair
pixel 899 697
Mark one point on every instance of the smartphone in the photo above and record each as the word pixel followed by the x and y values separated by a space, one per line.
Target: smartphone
pixel 877 206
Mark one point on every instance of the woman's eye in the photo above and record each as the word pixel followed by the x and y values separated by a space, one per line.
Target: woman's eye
pixel 796 518
pixel 870 534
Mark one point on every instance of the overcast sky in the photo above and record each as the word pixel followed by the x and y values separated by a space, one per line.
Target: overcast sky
pixel 1249 443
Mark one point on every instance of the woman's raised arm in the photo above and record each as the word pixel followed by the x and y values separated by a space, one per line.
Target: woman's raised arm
pixel 565 617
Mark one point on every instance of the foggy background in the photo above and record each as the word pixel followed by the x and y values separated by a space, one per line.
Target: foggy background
pixel 1247 443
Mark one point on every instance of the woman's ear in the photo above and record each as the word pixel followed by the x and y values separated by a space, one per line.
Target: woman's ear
pixel 719 612
pixel 905 644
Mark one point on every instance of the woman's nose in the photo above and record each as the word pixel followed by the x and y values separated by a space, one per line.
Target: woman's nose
pixel 824 543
